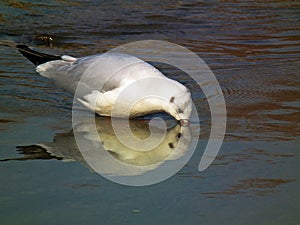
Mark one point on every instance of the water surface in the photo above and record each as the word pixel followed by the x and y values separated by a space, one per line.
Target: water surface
pixel 252 47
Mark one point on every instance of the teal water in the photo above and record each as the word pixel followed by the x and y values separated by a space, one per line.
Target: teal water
pixel 252 48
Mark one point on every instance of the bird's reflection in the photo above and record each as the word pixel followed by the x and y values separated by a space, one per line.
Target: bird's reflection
pixel 172 146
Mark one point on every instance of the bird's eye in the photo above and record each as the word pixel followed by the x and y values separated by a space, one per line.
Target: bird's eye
pixel 180 110
pixel 172 99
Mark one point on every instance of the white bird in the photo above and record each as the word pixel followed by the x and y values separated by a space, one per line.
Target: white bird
pixel 110 75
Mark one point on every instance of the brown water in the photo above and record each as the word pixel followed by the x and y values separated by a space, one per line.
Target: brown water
pixel 253 48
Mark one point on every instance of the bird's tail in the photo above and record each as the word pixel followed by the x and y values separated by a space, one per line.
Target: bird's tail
pixel 35 57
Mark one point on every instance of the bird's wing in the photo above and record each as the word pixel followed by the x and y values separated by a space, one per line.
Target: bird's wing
pixel 103 72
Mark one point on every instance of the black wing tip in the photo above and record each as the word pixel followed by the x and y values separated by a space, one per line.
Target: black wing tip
pixel 35 57
pixel 21 46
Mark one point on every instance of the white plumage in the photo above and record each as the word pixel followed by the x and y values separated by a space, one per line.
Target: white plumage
pixel 110 83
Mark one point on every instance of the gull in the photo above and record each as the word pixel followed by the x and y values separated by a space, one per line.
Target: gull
pixel 104 78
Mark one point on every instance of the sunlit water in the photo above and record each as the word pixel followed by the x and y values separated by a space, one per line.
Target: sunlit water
pixel 253 48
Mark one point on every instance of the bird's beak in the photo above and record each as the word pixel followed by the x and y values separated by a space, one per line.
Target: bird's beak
pixel 184 122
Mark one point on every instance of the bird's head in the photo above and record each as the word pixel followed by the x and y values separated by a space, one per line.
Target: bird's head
pixel 179 104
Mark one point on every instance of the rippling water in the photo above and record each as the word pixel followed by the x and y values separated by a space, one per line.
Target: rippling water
pixel 253 48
